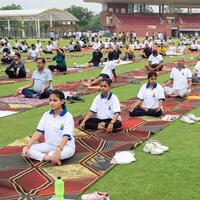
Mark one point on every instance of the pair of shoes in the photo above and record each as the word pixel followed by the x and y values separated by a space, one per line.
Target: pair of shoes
pixel 134 81
pixel 190 118
pixel 193 117
pixel 96 196
pixel 154 147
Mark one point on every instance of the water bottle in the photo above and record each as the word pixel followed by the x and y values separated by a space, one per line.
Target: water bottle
pixel 59 189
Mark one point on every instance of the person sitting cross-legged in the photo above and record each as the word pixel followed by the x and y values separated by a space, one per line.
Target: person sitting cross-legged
pixel 155 62
pixel 61 65
pixel 150 98
pixel 104 112
pixel 180 81
pixel 41 82
pixel 16 69
pixel 57 127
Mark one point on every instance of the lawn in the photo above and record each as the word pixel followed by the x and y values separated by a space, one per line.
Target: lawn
pixel 172 176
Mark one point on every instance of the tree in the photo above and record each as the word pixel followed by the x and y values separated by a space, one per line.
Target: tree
pixel 84 16
pixel 11 7
pixel 95 23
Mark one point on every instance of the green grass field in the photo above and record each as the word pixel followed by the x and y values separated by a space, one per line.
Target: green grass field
pixel 172 176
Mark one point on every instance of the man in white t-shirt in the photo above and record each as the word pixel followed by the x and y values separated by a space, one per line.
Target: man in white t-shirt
pixel 155 61
pixel 49 48
pixel 181 48
pixel 108 72
pixel 180 81
pixel 196 73
pixel 33 53
pixel 193 46
pixel 38 45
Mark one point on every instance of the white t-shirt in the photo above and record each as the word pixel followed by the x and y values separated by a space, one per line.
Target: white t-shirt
pixel 55 128
pixel 38 46
pixel 172 49
pixel 180 78
pixel 49 47
pixel 151 97
pixel 24 47
pixel 181 49
pixel 33 53
pixel 193 46
pixel 106 45
pixel 197 69
pixel 105 108
pixel 96 45
pixel 155 59
pixel 109 66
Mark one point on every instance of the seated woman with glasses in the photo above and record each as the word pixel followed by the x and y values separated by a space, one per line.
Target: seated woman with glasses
pixel 150 98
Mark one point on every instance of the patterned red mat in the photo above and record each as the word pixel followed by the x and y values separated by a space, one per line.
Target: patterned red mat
pixel 23 178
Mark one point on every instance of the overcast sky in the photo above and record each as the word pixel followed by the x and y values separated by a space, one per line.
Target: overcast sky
pixel 40 4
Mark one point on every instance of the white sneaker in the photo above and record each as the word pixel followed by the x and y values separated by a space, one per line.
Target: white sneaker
pixel 152 148
pixel 193 117
pixel 75 64
pixel 157 143
pixel 187 120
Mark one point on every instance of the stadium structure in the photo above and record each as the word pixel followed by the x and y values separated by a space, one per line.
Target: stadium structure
pixel 170 16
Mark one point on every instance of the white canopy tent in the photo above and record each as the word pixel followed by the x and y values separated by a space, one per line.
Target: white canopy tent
pixel 37 16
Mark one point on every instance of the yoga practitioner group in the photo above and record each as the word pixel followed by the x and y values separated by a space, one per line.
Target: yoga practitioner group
pixel 56 126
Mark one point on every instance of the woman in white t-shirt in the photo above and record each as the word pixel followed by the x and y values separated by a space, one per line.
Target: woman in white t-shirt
pixel 57 127
pixel 104 111
pixel 150 98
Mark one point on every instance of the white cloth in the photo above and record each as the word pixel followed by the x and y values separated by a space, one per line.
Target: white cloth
pixel 123 157
pixel 105 108
pixel 151 97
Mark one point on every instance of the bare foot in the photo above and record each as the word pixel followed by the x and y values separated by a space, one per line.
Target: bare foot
pixel 101 126
pixel 46 157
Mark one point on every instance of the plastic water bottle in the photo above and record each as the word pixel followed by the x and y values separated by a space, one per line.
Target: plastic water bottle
pixel 59 189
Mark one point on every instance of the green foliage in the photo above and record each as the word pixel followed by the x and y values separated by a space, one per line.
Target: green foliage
pixel 11 7
pixel 94 23
pixel 87 19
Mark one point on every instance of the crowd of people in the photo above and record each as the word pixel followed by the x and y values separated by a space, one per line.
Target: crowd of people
pixel 57 124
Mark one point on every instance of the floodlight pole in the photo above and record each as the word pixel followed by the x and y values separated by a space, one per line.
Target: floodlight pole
pixel 51 21
pixel 8 27
pixel 38 24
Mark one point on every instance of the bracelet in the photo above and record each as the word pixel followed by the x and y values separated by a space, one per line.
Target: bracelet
pixel 60 147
